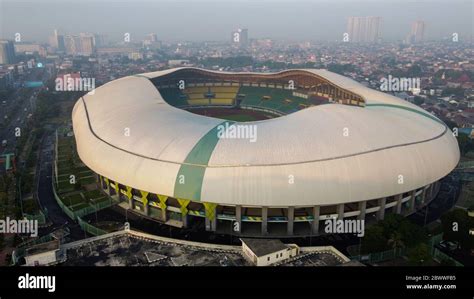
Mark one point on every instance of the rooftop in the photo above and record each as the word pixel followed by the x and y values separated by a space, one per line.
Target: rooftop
pixel 134 248
pixel 43 247
pixel 130 250
pixel 262 247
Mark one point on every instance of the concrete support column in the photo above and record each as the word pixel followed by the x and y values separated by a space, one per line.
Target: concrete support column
pixel 412 201
pixel 423 195
pixel 145 202
pixel 432 192
pixel 429 193
pixel 398 207
pixel 163 206
pixel 117 191
pixel 107 186
pixel 129 197
pixel 238 219
pixel 315 226
pixel 362 208
pixel 264 220
pixel 183 207
pixel 291 220
pixel 214 224
pixel 211 217
pixel 340 211
pixel 184 219
pixel 381 211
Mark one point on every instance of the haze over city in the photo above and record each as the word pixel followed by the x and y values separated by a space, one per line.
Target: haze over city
pixel 213 20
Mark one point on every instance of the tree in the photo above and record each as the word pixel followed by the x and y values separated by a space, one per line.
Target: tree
pixel 419 255
pixel 412 234
pixel 465 143
pixel 374 240
pixel 418 100
pixel 409 233
pixel 414 71
pixel 395 241
pixel 391 223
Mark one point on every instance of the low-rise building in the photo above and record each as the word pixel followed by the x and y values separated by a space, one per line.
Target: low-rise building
pixel 43 254
pixel 265 252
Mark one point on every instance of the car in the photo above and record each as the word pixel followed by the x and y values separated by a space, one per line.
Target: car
pixel 449 245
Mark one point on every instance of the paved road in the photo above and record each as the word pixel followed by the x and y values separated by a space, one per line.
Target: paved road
pixel 45 192
pixel 17 118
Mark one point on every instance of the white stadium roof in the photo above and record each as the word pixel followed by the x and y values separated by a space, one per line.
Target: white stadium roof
pixel 387 138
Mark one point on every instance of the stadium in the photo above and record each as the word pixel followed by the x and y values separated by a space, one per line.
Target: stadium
pixel 323 147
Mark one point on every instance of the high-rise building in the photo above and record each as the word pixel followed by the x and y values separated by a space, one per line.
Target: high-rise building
pixel 152 37
pixel 72 44
pixel 364 29
pixel 240 37
pixel 151 42
pixel 30 48
pixel 79 45
pixel 417 33
pixel 87 44
pixel 57 41
pixel 100 40
pixel 7 52
pixel 53 41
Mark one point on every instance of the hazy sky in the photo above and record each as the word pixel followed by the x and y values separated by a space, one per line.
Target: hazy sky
pixel 199 20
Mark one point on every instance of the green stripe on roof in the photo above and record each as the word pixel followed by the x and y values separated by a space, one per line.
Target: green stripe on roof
pixel 192 172
pixel 408 109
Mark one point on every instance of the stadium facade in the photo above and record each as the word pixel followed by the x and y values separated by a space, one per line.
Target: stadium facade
pixel 326 147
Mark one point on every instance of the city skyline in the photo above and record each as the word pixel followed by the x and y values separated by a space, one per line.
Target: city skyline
pixel 443 18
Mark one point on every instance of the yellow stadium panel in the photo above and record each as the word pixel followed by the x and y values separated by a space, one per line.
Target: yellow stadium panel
pixel 222 101
pixel 225 95
pixel 226 89
pixel 196 89
pixel 198 102
pixel 193 96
